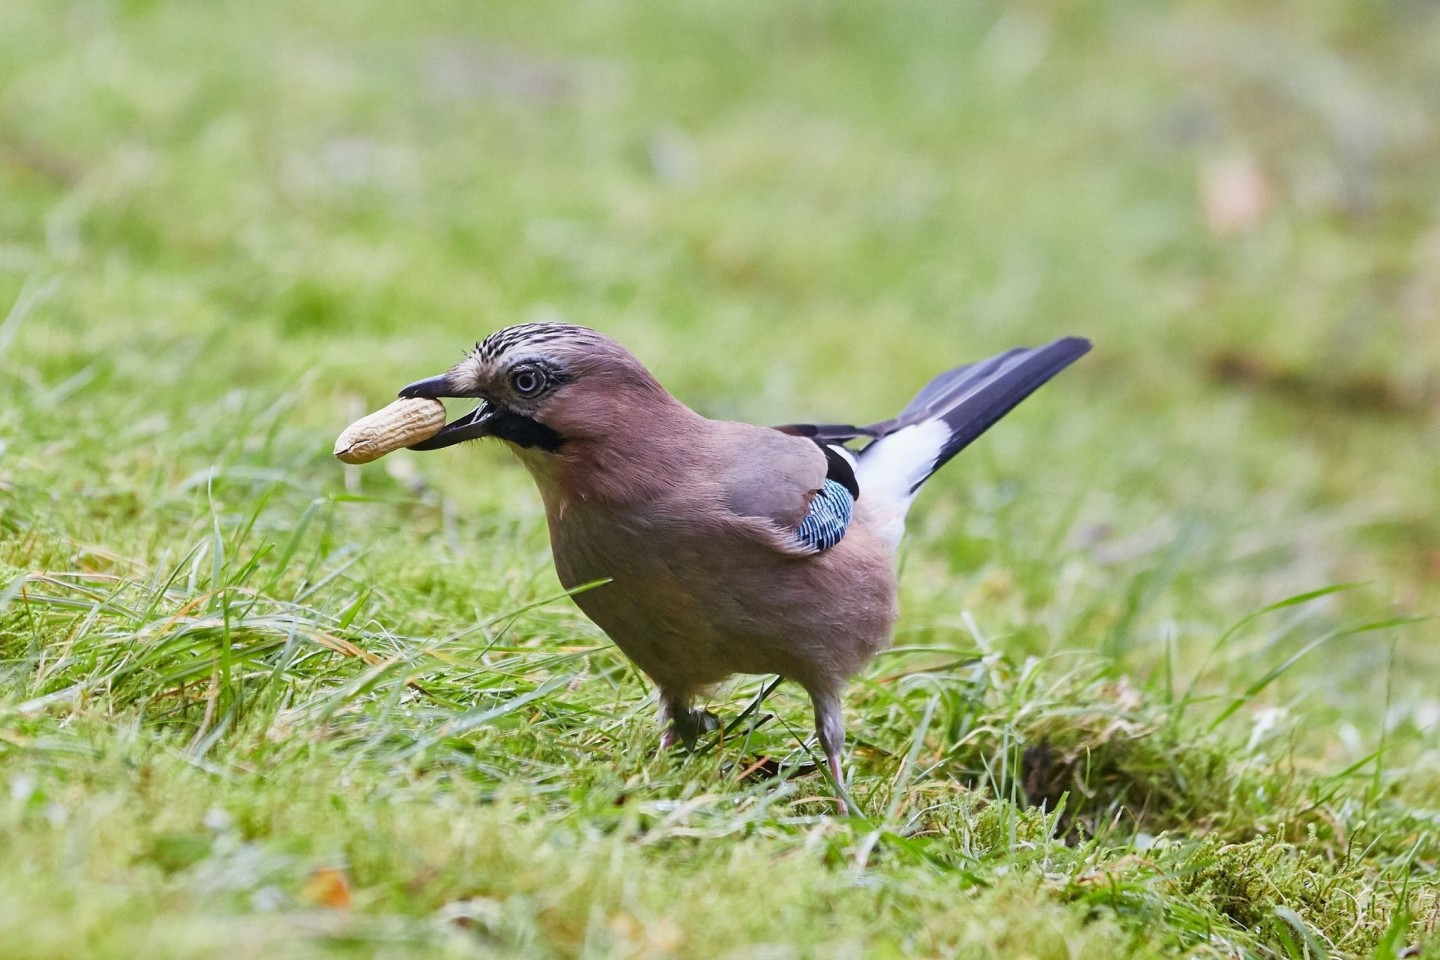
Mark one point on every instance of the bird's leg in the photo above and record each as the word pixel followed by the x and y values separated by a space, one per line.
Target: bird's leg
pixel 671 706
pixel 681 724
pixel 830 726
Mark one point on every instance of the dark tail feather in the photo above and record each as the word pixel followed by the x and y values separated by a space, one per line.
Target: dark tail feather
pixel 968 399
pixel 947 416
pixel 971 399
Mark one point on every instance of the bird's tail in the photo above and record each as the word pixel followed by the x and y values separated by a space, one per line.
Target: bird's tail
pixel 944 418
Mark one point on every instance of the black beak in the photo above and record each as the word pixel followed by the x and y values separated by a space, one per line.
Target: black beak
pixel 471 426
pixel 432 389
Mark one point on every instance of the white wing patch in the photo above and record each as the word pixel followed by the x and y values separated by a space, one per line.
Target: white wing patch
pixel 892 467
pixel 890 470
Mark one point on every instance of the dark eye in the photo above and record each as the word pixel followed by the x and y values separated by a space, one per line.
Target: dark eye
pixel 527 381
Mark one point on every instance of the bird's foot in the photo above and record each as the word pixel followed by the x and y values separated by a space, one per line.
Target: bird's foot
pixel 686 727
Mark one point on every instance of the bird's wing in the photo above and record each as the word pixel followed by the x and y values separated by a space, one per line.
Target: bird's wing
pixel 833 432
pixel 801 489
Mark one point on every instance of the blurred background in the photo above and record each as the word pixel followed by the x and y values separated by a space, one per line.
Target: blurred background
pixel 227 228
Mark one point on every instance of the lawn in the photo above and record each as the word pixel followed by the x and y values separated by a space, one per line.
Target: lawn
pixel 1163 684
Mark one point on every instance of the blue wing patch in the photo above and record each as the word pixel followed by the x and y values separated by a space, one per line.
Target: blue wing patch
pixel 829 517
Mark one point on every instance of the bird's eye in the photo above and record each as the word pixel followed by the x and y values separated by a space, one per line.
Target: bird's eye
pixel 527 381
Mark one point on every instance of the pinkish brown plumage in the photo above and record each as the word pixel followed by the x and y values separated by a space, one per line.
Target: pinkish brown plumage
pixel 725 548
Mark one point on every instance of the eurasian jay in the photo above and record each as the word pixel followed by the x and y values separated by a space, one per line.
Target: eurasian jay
pixel 721 547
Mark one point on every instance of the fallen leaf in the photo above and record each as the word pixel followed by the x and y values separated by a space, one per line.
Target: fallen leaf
pixel 328 887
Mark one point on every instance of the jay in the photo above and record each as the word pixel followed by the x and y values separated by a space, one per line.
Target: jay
pixel 721 547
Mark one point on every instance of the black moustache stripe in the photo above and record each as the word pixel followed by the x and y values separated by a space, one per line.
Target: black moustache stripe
pixel 524 432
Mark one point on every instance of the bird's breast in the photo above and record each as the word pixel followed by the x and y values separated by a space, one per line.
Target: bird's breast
pixel 694 599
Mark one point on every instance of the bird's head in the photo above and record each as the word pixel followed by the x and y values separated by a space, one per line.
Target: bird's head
pixel 543 386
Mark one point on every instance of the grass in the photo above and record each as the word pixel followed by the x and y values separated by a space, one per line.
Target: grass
pixel 1163 684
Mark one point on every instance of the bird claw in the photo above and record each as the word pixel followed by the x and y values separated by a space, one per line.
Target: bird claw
pixel 687 726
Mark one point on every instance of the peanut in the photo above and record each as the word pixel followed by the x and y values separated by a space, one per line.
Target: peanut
pixel 399 425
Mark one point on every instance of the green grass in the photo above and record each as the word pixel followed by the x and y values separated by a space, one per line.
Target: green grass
pixel 1163 683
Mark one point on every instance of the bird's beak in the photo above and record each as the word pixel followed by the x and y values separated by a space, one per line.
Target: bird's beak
pixel 471 426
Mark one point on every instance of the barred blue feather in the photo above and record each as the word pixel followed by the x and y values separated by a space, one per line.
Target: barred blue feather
pixel 829 517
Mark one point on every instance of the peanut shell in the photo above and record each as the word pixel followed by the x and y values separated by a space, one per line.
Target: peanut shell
pixel 401 424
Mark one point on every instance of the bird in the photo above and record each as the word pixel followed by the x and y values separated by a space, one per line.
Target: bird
pixel 712 547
